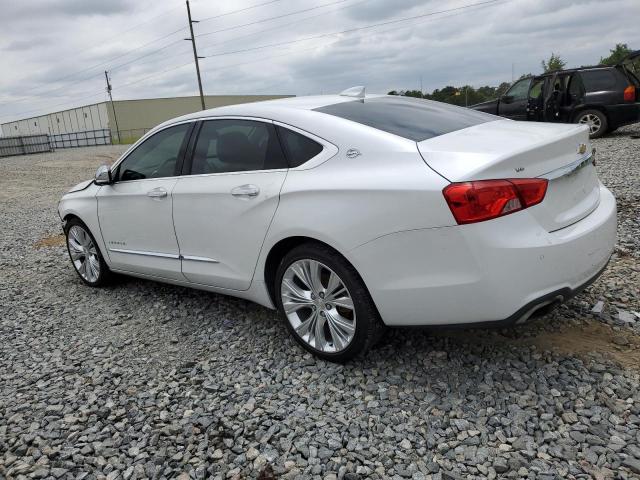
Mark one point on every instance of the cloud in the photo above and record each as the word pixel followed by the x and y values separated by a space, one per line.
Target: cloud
pixel 140 43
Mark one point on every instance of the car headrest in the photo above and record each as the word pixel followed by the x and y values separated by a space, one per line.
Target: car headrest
pixel 236 149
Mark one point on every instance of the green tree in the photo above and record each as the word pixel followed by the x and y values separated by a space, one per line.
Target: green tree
pixel 554 63
pixel 617 54
pixel 502 89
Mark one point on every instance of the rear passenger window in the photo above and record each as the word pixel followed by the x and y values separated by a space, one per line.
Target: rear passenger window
pixel 299 148
pixel 598 80
pixel 236 146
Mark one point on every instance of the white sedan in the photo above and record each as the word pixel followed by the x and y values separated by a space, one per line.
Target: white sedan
pixel 351 212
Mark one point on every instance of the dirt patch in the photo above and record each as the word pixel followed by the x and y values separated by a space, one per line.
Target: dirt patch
pixel 50 241
pixel 583 340
pixel 593 337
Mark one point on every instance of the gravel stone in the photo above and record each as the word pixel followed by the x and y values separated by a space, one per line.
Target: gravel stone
pixel 144 380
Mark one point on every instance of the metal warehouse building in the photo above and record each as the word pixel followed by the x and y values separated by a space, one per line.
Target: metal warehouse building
pixel 96 124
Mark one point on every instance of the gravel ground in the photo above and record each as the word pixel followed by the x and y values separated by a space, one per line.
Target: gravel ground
pixel 143 380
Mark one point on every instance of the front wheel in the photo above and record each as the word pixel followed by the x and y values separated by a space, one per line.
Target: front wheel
pixel 85 254
pixel 595 120
pixel 325 304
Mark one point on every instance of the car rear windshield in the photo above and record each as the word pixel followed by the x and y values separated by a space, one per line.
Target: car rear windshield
pixel 407 117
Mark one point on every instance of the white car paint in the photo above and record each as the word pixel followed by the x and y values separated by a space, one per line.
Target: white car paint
pixel 383 210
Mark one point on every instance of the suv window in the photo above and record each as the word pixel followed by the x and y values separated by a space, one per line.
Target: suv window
pixel 236 146
pixel 411 118
pixel 536 89
pixel 299 148
pixel 519 90
pixel 575 86
pixel 156 157
pixel 598 80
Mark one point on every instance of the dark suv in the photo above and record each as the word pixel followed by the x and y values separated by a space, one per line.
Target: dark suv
pixel 602 97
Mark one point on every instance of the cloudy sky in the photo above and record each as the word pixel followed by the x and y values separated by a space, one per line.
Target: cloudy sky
pixel 54 52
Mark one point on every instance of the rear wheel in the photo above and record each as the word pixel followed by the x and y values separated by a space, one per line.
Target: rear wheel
pixel 595 120
pixel 325 303
pixel 85 254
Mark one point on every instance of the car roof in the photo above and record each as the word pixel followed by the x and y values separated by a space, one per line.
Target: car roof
pixel 573 70
pixel 267 108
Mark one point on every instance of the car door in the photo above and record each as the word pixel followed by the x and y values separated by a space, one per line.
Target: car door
pixel 135 210
pixel 223 208
pixel 513 104
pixel 575 98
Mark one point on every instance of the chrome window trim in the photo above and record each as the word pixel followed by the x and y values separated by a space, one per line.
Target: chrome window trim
pixel 571 168
pixel 242 172
pixel 194 258
pixel 143 139
pixel 328 151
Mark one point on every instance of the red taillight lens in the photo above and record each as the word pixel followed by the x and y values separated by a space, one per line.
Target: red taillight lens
pixel 481 200
pixel 630 94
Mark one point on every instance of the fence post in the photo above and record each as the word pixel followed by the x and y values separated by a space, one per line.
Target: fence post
pixel 22 145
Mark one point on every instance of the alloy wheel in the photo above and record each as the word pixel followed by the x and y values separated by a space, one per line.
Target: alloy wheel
pixel 592 121
pixel 318 306
pixel 84 253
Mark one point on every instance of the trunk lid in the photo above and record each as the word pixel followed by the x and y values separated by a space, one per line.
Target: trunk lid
pixel 509 149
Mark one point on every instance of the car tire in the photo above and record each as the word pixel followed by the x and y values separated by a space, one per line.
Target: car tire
pixel 310 278
pixel 85 255
pixel 595 120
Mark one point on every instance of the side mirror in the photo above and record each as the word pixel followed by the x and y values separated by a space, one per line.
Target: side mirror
pixel 507 98
pixel 103 175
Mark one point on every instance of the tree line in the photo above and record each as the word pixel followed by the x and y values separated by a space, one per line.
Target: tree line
pixel 469 95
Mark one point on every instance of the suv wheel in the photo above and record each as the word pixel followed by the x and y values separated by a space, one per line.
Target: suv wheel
pixel 595 120
pixel 325 303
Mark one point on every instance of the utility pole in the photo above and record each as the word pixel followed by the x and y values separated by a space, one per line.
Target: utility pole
pixel 195 53
pixel 115 118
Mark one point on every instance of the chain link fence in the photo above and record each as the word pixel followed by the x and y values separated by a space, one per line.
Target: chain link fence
pixel 88 138
pixel 10 146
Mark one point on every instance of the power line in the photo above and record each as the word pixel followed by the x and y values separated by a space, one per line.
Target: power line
pixel 47 92
pixel 49 107
pixel 240 10
pixel 259 32
pixel 350 30
pixel 479 4
pixel 101 64
pixel 270 18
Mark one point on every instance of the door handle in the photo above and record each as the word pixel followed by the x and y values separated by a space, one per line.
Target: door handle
pixel 245 191
pixel 157 193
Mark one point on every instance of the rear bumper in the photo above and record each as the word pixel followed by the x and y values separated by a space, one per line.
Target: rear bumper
pixel 623 114
pixel 500 270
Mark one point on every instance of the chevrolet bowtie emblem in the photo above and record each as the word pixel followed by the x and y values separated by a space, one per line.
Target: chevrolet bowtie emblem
pixel 582 148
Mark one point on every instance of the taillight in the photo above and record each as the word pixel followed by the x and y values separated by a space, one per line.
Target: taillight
pixel 481 200
pixel 630 94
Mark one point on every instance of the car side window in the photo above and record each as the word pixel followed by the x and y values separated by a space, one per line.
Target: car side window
pixel 519 90
pixel 575 86
pixel 598 80
pixel 156 157
pixel 536 89
pixel 225 146
pixel 299 148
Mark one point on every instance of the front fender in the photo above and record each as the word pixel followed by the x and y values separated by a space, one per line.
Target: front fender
pixel 83 204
